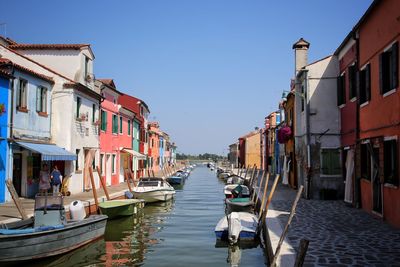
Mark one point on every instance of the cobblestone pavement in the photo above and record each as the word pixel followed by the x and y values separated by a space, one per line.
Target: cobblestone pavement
pixel 339 235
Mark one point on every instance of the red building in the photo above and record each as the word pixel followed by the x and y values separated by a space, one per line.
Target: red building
pixel 140 135
pixel 377 154
pixel 347 103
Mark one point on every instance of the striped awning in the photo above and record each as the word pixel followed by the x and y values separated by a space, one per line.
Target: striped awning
pixel 49 152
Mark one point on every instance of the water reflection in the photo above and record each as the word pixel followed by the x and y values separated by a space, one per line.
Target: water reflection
pixel 235 251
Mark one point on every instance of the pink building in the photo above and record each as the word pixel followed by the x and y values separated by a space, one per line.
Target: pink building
pixel 109 132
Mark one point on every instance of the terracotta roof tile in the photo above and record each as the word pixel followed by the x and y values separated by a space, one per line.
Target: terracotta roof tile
pixel 5 63
pixel 48 46
pixel 8 40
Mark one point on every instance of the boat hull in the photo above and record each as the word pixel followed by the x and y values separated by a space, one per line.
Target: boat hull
pixel 19 247
pixel 176 180
pixel 155 196
pixel 118 208
pixel 235 205
pixel 248 230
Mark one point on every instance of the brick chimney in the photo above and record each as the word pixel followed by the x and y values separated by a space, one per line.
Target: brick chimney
pixel 300 54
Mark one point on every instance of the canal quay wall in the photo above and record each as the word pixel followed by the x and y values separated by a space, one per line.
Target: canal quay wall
pixel 338 234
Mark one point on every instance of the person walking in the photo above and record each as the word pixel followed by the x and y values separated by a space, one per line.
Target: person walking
pixel 44 179
pixel 55 179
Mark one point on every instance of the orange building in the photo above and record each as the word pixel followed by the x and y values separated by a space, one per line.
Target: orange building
pixel 377 153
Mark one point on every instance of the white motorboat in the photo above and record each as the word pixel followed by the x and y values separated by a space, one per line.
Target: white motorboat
pixel 153 189
pixel 237 226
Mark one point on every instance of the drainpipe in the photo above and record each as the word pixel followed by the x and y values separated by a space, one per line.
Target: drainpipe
pixel 357 189
pixel 308 134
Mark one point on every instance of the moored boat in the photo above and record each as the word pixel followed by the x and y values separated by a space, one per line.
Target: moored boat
pixel 120 207
pixel 237 226
pixel 236 190
pixel 153 189
pixel 239 204
pixel 49 233
pixel 176 179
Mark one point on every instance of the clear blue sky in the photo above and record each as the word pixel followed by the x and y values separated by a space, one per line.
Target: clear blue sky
pixel 210 70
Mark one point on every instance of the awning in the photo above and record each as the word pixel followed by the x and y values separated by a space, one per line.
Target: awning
pixel 48 151
pixel 134 153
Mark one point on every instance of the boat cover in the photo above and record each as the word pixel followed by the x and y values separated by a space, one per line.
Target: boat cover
pixel 29 230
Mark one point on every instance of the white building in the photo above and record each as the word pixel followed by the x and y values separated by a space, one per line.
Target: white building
pixel 75 101
pixel 317 131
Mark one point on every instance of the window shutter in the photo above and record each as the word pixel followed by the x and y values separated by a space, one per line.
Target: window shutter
pixel 325 162
pixel 105 121
pixel 368 82
pixel 18 89
pixel 381 73
pixel 44 100
pixel 335 159
pixel 395 65
pixel 38 98
pixel 357 83
pixel 351 74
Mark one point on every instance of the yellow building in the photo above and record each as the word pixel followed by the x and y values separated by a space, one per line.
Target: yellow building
pixel 253 149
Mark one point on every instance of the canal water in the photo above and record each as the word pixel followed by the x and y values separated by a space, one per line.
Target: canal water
pixel 177 233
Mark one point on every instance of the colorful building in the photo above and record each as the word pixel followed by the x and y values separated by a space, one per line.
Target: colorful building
pixel 5 95
pixel 140 135
pixel 377 152
pixel 154 150
pixel 317 130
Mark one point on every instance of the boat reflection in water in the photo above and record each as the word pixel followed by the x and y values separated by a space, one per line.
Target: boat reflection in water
pixel 235 251
pixel 126 241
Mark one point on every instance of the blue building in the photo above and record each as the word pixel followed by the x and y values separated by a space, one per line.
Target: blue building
pixel 4 131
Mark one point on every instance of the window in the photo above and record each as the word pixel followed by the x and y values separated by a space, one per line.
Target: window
pixel 86 67
pixel 152 142
pixel 330 161
pixel 389 69
pixel 365 84
pixel 113 163
pixel 341 90
pixel 114 124
pixel 93 113
pixel 77 159
pixel 365 159
pixel 102 163
pixel 41 99
pixel 78 106
pixel 94 163
pixel 141 111
pixel 120 124
pixel 390 160
pixel 103 120
pixel 129 127
pixel 22 94
pixel 352 81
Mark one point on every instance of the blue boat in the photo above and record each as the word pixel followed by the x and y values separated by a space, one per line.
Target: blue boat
pixel 178 178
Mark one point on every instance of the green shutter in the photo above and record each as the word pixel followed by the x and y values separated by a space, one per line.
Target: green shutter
pixel 38 98
pixel 120 124
pixel 325 162
pixel 129 127
pixel 335 159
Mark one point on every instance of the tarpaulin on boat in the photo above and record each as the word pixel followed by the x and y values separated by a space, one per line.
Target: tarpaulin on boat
pixel 48 151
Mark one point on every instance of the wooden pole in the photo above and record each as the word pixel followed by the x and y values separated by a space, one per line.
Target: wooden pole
pixel 271 193
pixel 103 184
pixel 96 201
pixel 285 230
pixel 132 178
pixel 153 173
pixel 128 182
pixel 263 198
pixel 255 197
pixel 301 253
pixel 16 199
pixel 245 173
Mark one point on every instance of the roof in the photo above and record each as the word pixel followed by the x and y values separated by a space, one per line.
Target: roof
pixel 48 46
pixel 82 88
pixel 6 63
pixel 136 100
pixel 8 40
pixel 301 43
pixel 5 74
pixel 110 84
pixel 249 134
pixel 355 28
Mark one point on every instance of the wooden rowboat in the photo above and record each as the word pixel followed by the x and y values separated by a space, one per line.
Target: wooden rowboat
pixel 120 207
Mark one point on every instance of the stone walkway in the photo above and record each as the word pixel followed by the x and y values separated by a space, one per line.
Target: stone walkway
pixel 339 235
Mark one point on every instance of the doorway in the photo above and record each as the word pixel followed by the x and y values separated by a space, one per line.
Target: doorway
pixel 376 182
pixel 17 172
pixel 108 169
